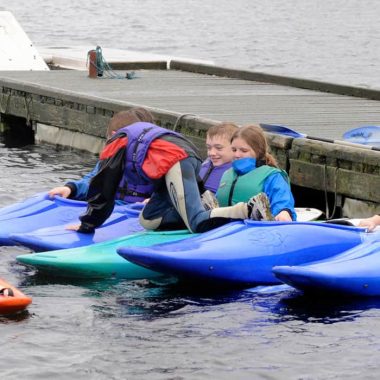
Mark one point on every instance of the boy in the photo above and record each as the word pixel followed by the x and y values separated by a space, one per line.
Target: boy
pixel 218 144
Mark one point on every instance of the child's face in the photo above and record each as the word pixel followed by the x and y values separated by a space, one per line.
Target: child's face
pixel 219 150
pixel 241 149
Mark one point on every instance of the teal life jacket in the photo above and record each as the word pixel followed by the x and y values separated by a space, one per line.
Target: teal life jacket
pixel 234 188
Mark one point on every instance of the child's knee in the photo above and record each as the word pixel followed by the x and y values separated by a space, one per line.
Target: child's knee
pixel 149 224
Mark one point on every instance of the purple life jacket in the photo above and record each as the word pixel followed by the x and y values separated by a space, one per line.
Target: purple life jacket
pixel 135 186
pixel 211 174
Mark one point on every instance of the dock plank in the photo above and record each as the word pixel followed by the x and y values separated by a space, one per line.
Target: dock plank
pixel 315 113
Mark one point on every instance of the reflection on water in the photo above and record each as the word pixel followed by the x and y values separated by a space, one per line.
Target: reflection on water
pixel 161 329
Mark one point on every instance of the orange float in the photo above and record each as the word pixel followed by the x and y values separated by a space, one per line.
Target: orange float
pixel 12 300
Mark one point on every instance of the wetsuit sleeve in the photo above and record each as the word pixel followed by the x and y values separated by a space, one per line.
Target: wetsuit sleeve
pixel 79 188
pixel 102 191
pixel 280 195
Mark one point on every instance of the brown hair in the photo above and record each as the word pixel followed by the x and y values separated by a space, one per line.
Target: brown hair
pixel 226 129
pixel 254 136
pixel 124 118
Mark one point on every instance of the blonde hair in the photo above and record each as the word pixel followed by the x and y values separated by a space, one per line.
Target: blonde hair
pixel 226 129
pixel 254 136
pixel 124 118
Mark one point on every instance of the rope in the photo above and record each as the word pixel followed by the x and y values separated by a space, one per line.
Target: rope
pixel 179 118
pixel 328 216
pixel 104 70
pixel 28 102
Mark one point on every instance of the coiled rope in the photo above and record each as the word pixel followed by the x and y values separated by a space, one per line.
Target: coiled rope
pixel 104 70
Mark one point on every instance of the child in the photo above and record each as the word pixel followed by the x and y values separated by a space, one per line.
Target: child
pixel 218 144
pixel 145 154
pixel 79 189
pixel 255 171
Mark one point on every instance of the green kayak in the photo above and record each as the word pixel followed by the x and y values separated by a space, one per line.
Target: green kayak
pixel 100 260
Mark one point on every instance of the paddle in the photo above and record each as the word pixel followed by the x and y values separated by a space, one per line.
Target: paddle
pixel 367 135
pixel 283 130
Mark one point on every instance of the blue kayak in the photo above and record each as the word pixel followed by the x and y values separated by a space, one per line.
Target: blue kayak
pixel 243 253
pixel 54 238
pixel 42 211
pixel 100 260
pixel 355 272
pixel 366 135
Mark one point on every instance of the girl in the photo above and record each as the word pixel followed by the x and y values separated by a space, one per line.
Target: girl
pixel 255 171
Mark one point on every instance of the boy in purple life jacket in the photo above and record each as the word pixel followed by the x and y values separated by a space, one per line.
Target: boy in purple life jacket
pixel 219 152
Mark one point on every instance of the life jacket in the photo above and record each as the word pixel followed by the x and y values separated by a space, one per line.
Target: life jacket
pixel 135 185
pixel 234 188
pixel 211 175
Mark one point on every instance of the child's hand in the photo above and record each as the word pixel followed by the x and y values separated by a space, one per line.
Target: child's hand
pixel 283 216
pixel 72 227
pixel 370 223
pixel 63 191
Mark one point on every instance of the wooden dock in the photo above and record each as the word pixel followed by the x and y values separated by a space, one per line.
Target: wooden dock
pixel 192 97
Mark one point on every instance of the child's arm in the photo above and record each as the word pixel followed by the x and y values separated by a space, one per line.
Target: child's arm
pixel 280 197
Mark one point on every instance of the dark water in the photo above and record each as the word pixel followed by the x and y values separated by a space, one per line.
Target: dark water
pixel 157 330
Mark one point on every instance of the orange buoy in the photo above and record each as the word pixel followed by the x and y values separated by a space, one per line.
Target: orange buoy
pixel 12 300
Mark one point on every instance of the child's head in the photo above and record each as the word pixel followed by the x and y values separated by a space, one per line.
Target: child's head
pixel 123 118
pixel 218 143
pixel 250 141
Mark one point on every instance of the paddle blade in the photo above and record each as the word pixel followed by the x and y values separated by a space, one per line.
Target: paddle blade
pixel 282 130
pixel 366 135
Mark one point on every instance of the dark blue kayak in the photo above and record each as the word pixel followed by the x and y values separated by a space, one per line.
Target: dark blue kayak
pixel 355 272
pixel 42 211
pixel 243 253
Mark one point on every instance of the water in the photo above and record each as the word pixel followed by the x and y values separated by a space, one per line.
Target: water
pixel 156 330
pixel 118 329
pixel 335 41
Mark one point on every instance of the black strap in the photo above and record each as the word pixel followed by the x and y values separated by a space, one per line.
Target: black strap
pixel 124 191
pixel 10 292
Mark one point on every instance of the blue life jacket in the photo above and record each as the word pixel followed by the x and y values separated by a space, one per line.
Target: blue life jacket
pixel 135 184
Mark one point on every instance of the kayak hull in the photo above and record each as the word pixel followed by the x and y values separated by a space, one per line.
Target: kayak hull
pixel 243 253
pixel 41 211
pixel 58 237
pixel 355 272
pixel 100 260
pixel 10 304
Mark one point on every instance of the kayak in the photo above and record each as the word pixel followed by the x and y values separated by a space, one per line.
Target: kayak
pixel 355 272
pixel 42 211
pixel 12 300
pixel 37 198
pixel 57 237
pixel 307 214
pixel 100 260
pixel 366 135
pixel 243 253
